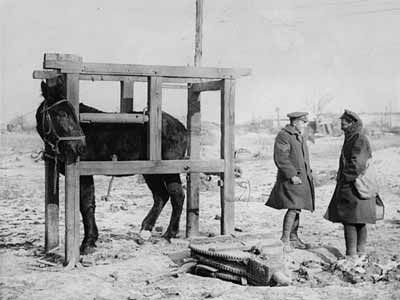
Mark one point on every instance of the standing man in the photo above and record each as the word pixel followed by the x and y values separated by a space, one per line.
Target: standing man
pixel 294 187
pixel 347 206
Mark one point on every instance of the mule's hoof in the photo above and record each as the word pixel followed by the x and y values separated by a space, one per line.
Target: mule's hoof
pixel 87 248
pixel 145 234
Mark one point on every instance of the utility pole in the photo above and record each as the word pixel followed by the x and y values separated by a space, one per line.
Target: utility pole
pixel 194 128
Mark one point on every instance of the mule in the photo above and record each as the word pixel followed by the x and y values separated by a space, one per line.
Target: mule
pixel 66 139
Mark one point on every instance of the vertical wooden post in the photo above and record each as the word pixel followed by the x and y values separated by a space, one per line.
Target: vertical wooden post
pixel 194 128
pixel 51 209
pixel 227 153
pixel 72 185
pixel 154 106
pixel 71 214
pixel 126 98
pixel 193 179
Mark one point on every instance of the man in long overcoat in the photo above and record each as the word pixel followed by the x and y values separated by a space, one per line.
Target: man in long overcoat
pixel 346 205
pixel 294 187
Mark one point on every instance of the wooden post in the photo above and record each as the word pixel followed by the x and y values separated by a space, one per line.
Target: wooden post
pixel 193 179
pixel 72 186
pixel 155 117
pixel 126 102
pixel 227 153
pixel 71 214
pixel 51 209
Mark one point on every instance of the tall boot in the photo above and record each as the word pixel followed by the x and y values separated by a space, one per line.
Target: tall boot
pixel 350 236
pixel 295 241
pixel 361 239
pixel 288 221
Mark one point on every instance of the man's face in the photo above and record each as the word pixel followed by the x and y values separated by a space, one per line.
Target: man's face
pixel 345 124
pixel 300 125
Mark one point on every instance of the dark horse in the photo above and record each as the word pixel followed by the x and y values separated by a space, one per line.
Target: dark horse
pixel 66 139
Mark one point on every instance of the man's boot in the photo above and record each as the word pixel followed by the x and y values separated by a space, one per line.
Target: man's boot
pixel 286 229
pixel 295 241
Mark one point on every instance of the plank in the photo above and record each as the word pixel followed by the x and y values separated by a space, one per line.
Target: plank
pixel 45 74
pixel 164 71
pixel 71 214
pixel 52 234
pixel 113 118
pixel 167 81
pixel 126 96
pixel 72 86
pixel 227 153
pixel 154 106
pixel 193 181
pixel 150 167
pixel 67 63
pixel 207 86
pixel 107 77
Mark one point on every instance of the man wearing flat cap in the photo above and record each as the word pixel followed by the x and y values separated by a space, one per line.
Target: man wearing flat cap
pixel 347 206
pixel 294 187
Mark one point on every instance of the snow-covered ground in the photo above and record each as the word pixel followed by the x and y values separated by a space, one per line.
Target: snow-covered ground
pixel 123 269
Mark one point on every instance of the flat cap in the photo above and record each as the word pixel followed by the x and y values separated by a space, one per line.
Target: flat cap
pixel 298 115
pixel 350 115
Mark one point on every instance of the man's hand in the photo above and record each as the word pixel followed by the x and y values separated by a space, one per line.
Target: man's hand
pixel 296 180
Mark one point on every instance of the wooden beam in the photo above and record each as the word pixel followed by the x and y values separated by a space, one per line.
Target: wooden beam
pixel 51 208
pixel 150 167
pixel 97 77
pixel 71 214
pixel 45 74
pixel 168 82
pixel 227 153
pixel 126 96
pixel 154 106
pixel 113 118
pixel 72 85
pixel 207 86
pixel 163 71
pixel 193 180
pixel 67 63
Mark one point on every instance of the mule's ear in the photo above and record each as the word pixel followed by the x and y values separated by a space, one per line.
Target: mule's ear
pixel 43 87
pixel 60 80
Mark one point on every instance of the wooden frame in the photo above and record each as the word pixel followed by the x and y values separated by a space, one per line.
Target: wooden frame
pixel 196 80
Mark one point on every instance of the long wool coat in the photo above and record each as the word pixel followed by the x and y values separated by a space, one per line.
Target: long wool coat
pixel 291 158
pixel 346 206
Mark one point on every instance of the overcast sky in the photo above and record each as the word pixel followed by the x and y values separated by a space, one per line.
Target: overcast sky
pixel 300 51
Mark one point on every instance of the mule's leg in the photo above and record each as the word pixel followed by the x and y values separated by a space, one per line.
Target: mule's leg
pixel 175 191
pixel 160 196
pixel 87 208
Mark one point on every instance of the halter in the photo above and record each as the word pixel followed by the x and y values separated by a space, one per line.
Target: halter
pixel 52 132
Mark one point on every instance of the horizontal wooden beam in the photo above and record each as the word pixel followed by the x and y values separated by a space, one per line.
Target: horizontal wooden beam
pixel 207 86
pixel 164 71
pixel 113 118
pixel 150 167
pixel 168 83
pixel 45 74
pixel 68 63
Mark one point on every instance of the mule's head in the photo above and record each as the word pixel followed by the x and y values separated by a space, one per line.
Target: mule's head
pixel 57 123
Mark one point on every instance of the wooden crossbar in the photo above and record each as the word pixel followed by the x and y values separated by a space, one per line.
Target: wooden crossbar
pixel 150 167
pixel 207 86
pixel 168 83
pixel 73 64
pixel 113 118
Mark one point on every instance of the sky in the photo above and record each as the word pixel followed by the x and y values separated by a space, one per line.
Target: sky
pixel 338 53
